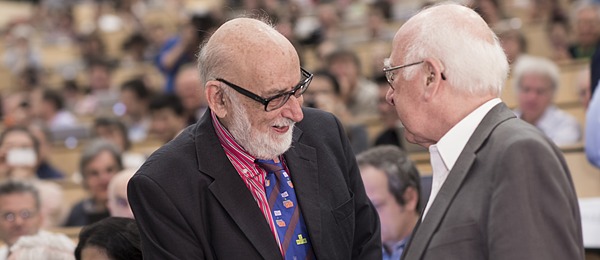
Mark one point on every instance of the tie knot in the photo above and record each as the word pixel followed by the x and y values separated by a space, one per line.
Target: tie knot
pixel 269 165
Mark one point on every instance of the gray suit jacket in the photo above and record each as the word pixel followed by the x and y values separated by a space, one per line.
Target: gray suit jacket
pixel 190 203
pixel 509 196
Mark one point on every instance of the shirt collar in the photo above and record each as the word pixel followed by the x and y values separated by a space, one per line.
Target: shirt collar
pixel 454 141
pixel 231 147
pixel 398 247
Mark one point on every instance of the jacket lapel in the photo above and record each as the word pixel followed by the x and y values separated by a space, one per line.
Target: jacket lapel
pixel 301 160
pixel 423 234
pixel 231 192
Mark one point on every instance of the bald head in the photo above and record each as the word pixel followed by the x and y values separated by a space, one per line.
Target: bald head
pixel 243 47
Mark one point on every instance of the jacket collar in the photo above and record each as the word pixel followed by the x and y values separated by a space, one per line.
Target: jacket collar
pixel 425 229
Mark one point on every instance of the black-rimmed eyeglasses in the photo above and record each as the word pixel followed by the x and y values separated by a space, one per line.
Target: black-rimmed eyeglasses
pixel 278 100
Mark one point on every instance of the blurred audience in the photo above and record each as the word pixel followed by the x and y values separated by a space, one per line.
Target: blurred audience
pixel 392 133
pixel 111 238
pixel 536 81
pixel 53 112
pixel 101 96
pixel 558 32
pixel 135 96
pixel 20 159
pixel 112 130
pixel 45 169
pixel 324 93
pixel 584 91
pixel 100 161
pixel 189 89
pixel 513 42
pixel 168 117
pixel 182 48
pixel 586 19
pixel 43 245
pixel 21 224
pixel 357 92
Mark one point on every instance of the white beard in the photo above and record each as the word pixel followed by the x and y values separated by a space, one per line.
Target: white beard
pixel 262 145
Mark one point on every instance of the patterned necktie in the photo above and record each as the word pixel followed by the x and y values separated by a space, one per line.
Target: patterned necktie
pixel 289 223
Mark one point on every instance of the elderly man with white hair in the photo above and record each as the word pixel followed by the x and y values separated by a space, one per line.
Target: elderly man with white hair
pixel 500 189
pixel 536 81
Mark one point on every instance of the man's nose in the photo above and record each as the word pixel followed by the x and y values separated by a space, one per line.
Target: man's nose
pixel 293 109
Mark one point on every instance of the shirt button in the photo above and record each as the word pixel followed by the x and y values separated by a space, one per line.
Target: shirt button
pixel 245 170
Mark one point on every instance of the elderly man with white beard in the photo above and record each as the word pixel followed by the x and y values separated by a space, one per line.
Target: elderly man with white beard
pixel 259 176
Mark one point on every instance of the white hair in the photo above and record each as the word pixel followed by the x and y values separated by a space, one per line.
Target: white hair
pixel 527 64
pixel 43 245
pixel 582 5
pixel 470 63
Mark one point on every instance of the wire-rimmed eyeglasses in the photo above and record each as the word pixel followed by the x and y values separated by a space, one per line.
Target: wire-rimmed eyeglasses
pixel 389 71
pixel 278 100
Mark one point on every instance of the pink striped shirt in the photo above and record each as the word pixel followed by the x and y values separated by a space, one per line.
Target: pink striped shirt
pixel 252 175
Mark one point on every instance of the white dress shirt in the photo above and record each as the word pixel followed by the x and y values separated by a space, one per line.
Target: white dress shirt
pixel 445 153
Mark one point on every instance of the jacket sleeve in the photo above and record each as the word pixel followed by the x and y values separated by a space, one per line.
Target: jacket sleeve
pixel 367 236
pixel 163 229
pixel 533 207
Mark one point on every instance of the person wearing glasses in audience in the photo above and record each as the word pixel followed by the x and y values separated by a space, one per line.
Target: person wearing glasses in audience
pixel 259 176
pixel 19 213
pixel 501 189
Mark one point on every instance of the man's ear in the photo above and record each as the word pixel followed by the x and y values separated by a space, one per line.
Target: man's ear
pixel 216 98
pixel 411 199
pixel 433 78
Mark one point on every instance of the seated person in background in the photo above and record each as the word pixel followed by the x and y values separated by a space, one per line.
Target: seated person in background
pixel 392 132
pixel 20 213
pixel 20 159
pixel 45 169
pixel 393 185
pixel 357 92
pixel 587 29
pixel 324 93
pixel 100 161
pixel 558 31
pixel 18 153
pixel 111 238
pixel 513 42
pixel 114 130
pixel 135 96
pixel 43 245
pixel 168 118
pixel 118 205
pixel 53 112
pixel 189 89
pixel 536 81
